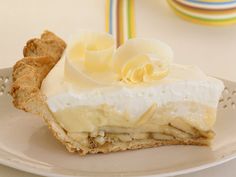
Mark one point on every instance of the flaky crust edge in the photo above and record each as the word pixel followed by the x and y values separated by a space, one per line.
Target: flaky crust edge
pixel 28 74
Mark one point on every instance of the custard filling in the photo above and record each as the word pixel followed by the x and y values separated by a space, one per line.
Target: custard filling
pixel 182 115
pixel 99 126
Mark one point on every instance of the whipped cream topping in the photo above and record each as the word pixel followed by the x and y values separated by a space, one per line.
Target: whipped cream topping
pixel 183 83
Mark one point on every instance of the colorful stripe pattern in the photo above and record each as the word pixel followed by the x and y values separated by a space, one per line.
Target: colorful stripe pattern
pixel 120 19
pixel 209 4
pixel 207 15
pixel 213 2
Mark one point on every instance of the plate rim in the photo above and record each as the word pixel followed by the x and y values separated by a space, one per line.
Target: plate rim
pixel 151 173
pixel 13 161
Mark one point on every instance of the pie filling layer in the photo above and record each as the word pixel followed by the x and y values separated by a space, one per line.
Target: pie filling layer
pixel 105 117
pixel 103 124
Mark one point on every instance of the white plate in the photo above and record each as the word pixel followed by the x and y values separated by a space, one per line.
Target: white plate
pixel 27 144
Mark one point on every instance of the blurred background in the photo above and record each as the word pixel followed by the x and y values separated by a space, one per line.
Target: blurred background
pixel 211 48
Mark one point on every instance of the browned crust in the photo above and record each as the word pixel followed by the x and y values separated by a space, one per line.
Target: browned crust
pixel 48 45
pixel 146 143
pixel 40 55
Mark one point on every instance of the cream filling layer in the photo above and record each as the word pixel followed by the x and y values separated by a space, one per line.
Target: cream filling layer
pixel 106 118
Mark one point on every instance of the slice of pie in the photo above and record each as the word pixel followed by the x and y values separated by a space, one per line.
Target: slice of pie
pixel 96 98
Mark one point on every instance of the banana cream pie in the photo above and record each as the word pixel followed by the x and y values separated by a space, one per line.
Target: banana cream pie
pixel 98 98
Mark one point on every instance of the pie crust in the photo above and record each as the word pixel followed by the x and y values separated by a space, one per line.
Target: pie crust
pixel 40 55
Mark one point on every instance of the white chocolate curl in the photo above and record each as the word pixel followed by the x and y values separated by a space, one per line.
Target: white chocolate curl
pixel 88 59
pixel 91 60
pixel 142 60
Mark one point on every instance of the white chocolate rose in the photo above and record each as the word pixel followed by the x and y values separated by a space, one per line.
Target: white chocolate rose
pixel 91 60
pixel 142 60
pixel 88 59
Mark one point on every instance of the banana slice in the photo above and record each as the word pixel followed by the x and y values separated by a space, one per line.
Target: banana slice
pixel 142 60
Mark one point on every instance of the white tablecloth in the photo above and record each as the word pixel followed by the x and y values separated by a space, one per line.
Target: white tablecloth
pixel 211 48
